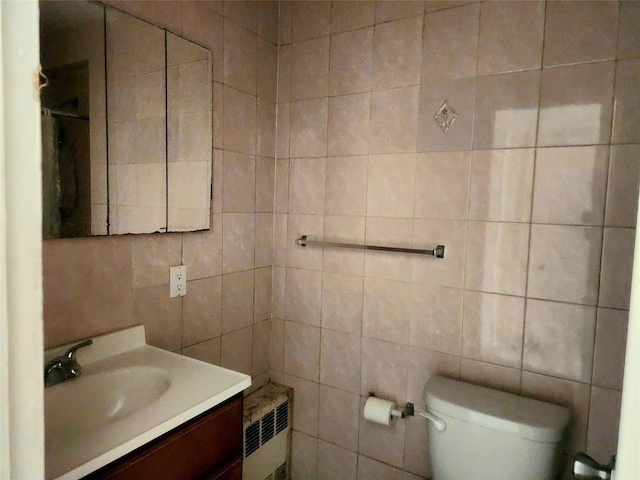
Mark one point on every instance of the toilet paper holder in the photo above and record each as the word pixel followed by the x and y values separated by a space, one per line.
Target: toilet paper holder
pixel 409 411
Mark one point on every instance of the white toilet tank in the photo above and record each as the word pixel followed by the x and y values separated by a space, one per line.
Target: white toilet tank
pixel 491 434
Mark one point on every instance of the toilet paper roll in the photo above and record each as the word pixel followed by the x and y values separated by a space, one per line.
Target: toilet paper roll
pixel 380 411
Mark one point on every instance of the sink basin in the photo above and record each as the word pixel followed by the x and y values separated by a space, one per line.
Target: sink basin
pixel 93 401
pixel 129 394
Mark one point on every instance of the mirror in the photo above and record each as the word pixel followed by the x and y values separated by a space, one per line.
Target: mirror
pixel 126 125
pixel 189 140
pixel 74 157
pixel 136 125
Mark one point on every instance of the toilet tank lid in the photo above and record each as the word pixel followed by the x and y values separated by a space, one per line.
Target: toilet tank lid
pixel 519 416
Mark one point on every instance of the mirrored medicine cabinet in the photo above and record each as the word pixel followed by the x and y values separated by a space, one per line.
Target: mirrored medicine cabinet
pixel 126 124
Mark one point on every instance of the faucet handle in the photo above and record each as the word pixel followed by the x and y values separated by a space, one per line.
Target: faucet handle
pixel 71 353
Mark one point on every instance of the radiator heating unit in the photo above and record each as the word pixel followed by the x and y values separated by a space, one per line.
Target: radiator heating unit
pixel 267 434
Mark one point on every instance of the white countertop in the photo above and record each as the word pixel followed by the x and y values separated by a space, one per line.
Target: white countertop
pixel 195 388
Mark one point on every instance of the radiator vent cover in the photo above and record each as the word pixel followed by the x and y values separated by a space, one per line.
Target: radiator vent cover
pixel 279 474
pixel 251 439
pixel 267 434
pixel 263 430
pixel 282 417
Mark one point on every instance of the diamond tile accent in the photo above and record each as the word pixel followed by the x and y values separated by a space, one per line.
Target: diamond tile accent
pixel 445 116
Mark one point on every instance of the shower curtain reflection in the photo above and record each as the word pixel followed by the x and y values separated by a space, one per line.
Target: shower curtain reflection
pixel 66 193
pixel 50 177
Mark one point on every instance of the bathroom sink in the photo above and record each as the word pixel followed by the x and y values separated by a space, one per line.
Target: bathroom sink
pixel 102 398
pixel 129 394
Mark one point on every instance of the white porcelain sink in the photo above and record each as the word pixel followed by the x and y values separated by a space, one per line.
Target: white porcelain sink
pixel 129 394
pixel 102 398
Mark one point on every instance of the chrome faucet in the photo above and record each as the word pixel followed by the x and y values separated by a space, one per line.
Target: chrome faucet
pixel 64 367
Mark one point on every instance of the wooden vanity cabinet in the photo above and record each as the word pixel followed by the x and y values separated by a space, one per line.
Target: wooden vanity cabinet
pixel 208 447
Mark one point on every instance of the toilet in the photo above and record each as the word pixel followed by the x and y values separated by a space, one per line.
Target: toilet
pixel 480 433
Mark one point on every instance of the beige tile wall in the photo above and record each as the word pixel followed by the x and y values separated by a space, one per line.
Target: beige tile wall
pixel 95 285
pixel 533 190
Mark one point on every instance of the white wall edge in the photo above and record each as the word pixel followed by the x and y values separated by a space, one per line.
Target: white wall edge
pixel 21 336
pixel 628 460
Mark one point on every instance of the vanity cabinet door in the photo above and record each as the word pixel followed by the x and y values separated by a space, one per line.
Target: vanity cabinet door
pixel 205 448
pixel 233 471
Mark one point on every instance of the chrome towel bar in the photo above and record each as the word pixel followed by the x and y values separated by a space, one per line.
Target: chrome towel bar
pixel 436 252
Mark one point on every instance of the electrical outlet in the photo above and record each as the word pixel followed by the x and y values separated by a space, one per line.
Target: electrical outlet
pixel 178 281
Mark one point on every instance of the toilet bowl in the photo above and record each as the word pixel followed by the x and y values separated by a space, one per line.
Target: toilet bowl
pixel 489 434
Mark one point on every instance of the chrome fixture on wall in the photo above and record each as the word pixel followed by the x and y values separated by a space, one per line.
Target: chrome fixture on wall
pixel 436 252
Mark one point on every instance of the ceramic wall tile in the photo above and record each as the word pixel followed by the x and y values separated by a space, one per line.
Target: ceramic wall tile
pixel 391 184
pixel 304 296
pixel 349 125
pixel 369 469
pixel 386 310
pixel 626 121
pixel 558 339
pixel 564 263
pixel 615 277
pixel 450 42
pixel 352 15
pixel 309 128
pixel 351 61
pixel 393 120
pixel 511 35
pixel 608 358
pixel 346 185
pixel 304 456
pixel 239 121
pixel 394 10
pixel 397 53
pixel 334 462
pixel 310 69
pixel 307 185
pixel 501 185
pixel 585 169
pixel 240 58
pixel 302 351
pixel 576 104
pixel 239 183
pixel 622 191
pixel 261 348
pixel 492 328
pixel 590 25
pixel 238 241
pixel 202 311
pixel 237 301
pixel 342 302
pixel 506 110
pixel 339 417
pixel 436 318
pixel 442 185
pixel 628 36
pixel 604 422
pixel 490 375
pixel 340 360
pixel 489 267
pixel 310 20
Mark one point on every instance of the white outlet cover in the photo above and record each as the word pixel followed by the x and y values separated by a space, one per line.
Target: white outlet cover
pixel 178 281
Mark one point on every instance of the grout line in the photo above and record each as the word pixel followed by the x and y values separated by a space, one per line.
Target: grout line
pixel 531 205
